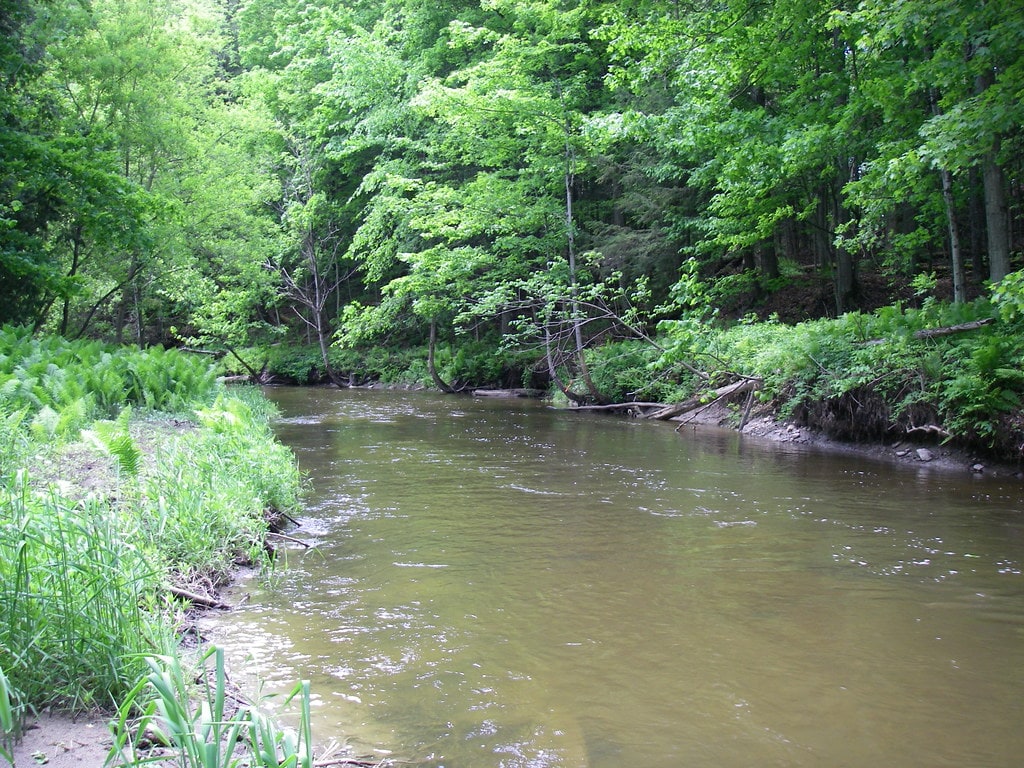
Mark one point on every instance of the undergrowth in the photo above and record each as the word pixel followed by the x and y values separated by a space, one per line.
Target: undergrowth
pixel 876 375
pixel 86 570
pixel 204 725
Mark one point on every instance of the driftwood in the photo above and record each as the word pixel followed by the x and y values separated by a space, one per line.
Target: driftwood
pixel 932 333
pixel 196 599
pixel 519 392
pixel 927 429
pixel 627 406
pixel 748 384
pixel 289 539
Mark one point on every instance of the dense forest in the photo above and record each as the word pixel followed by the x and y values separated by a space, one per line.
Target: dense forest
pixel 638 200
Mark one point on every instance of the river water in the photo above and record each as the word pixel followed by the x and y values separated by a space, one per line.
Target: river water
pixel 496 583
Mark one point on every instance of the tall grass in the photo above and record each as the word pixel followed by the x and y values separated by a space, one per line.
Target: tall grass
pixel 10 718
pixel 73 595
pixel 206 503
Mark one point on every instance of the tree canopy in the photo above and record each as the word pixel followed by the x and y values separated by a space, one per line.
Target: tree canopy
pixel 548 174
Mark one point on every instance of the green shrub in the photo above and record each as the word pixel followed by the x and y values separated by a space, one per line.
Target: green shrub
pixel 875 368
pixel 79 381
pixel 83 578
pixel 627 370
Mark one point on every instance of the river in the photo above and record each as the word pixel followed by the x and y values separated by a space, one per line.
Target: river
pixel 501 584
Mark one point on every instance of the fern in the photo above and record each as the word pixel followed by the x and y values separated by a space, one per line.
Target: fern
pixel 114 439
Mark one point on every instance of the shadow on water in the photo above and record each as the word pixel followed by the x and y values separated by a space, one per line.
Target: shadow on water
pixel 497 583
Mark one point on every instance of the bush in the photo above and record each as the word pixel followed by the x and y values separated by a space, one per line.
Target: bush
pixel 63 385
pixel 627 370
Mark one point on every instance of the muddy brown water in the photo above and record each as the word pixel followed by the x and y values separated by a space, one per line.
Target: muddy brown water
pixel 497 583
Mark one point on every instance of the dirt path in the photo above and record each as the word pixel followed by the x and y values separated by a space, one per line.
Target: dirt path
pixel 58 741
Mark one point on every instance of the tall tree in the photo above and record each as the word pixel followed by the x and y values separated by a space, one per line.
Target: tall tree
pixel 947 72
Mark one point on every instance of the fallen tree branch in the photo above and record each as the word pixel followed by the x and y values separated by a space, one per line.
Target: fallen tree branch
pixel 627 406
pixel 289 539
pixel 520 392
pixel 746 384
pixel 196 599
pixel 927 429
pixel 931 333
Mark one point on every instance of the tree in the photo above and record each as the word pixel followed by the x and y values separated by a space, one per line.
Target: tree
pixel 946 72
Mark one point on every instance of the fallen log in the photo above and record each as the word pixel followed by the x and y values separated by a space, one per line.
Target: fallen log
pixel 746 384
pixel 627 406
pixel 289 539
pixel 196 599
pixel 521 392
pixel 932 333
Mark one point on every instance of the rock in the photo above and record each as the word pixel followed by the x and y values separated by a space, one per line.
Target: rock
pixel 978 468
pixel 901 454
pixel 923 454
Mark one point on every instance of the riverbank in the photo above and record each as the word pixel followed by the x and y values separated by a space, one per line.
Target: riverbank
pixel 925 454
pixel 131 484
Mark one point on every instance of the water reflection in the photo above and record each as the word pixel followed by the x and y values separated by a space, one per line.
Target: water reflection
pixel 498 584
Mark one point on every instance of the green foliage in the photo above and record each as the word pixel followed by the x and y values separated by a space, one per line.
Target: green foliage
pixel 205 504
pixel 74 584
pixel 969 384
pixel 982 382
pixel 1008 296
pixel 11 716
pixel 114 438
pixel 83 577
pixel 628 370
pixel 203 726
pixel 477 364
pixel 65 384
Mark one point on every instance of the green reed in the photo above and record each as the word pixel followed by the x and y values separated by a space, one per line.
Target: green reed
pixel 10 718
pixel 204 725
pixel 73 592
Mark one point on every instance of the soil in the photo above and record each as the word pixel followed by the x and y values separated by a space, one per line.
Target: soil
pixel 61 741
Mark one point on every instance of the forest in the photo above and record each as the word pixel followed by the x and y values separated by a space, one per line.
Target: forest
pixel 643 200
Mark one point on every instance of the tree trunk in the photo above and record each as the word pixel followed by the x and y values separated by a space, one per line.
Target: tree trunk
pixel 577 325
pixel 955 251
pixel 996 218
pixel 845 264
pixel 766 259
pixel 976 225
pixel 431 368
pixel 747 384
pixel 563 387
pixel 845 280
